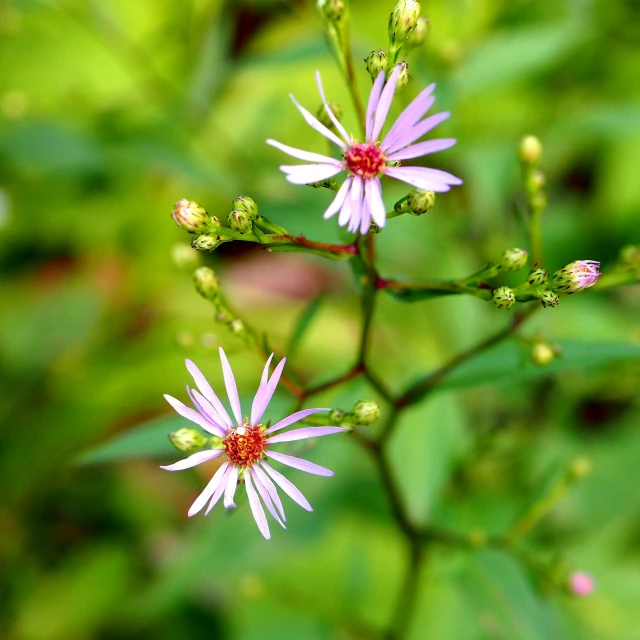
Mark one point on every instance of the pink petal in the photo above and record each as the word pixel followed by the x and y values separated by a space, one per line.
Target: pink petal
pixel 266 482
pixel 422 149
pixel 266 498
pixel 207 392
pixel 294 417
pixel 205 408
pixel 335 121
pixel 263 397
pixel 410 135
pixel 384 104
pixel 374 98
pixel 308 173
pixel 303 155
pixel 375 202
pixel 345 212
pixel 416 177
pixel 299 463
pixel 262 386
pixel 416 109
pixel 314 123
pixel 288 487
pixel 338 201
pixel 230 489
pixel 356 204
pixel 188 413
pixel 256 507
pixel 193 460
pixel 232 389
pixel 216 483
pixel 219 490
pixel 304 433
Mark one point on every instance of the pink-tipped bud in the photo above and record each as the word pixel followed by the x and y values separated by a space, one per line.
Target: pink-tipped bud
pixel 581 583
pixel 190 216
pixel 576 276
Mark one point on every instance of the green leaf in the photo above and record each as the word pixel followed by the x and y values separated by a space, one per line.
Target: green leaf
pixel 304 322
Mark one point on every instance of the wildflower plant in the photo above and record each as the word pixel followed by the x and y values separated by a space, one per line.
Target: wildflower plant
pixel 515 285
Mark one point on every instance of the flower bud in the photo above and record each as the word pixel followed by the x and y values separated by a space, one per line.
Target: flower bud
pixel 549 298
pixel 206 282
pixel 419 34
pixel 365 412
pixel 324 118
pixel 417 202
pixel 576 276
pixel 246 204
pixel 504 298
pixel 403 20
pixel 187 440
pixel 581 583
pixel 333 10
pixel 630 255
pixel 185 257
pixel 336 416
pixel 190 216
pixel 530 150
pixel 537 277
pixel 376 62
pixel 403 76
pixel 206 242
pixel 240 220
pixel 514 259
pixel 237 328
pixel 543 354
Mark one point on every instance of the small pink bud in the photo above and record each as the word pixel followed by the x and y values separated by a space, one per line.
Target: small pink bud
pixel 581 583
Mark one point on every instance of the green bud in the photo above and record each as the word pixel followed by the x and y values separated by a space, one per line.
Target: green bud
pixel 504 298
pixel 190 216
pixel 206 242
pixel 416 202
pixel 329 183
pixel 419 34
pixel 333 10
pixel 538 277
pixel 403 20
pixel 365 412
pixel 206 282
pixel 336 416
pixel 237 328
pixel 376 62
pixel 543 354
pixel 187 440
pixel 530 150
pixel 240 220
pixel 549 298
pixel 403 76
pixel 514 259
pixel 630 255
pixel 185 257
pixel 246 204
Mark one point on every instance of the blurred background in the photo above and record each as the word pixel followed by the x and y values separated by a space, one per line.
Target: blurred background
pixel 112 110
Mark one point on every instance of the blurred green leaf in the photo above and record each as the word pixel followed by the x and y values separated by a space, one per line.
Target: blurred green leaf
pixel 304 322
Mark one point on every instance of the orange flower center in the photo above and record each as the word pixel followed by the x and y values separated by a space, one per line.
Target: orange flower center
pixel 245 445
pixel 365 159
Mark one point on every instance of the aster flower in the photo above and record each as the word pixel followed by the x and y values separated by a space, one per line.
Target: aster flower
pixel 359 200
pixel 576 276
pixel 245 445
pixel 581 583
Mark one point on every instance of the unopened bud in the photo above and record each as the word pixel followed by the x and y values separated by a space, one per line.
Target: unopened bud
pixel 403 76
pixel 333 10
pixel 543 354
pixel 576 276
pixel 581 583
pixel 537 277
pixel 365 412
pixel 403 20
pixel 530 150
pixel 419 34
pixel 630 255
pixel 240 220
pixel 580 468
pixel 185 257
pixel 417 202
pixel 187 440
pixel 206 282
pixel 237 328
pixel 336 416
pixel 504 298
pixel 206 242
pixel 549 298
pixel 246 204
pixel 324 118
pixel 376 63
pixel 514 259
pixel 190 216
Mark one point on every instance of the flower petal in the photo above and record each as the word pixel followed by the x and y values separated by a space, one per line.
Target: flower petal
pixel 314 123
pixel 374 98
pixel 220 489
pixel 408 136
pixel 207 392
pixel 384 104
pixel 263 397
pixel 303 155
pixel 338 201
pixel 256 507
pixel 266 498
pixel 422 149
pixel 205 408
pixel 193 460
pixel 294 417
pixel 299 463
pixel 308 173
pixel 416 109
pixel 355 196
pixel 345 212
pixel 287 486
pixel 261 387
pixel 232 389
pixel 376 203
pixel 230 489
pixel 417 177
pixel 188 413
pixel 266 482
pixel 304 433
pixel 216 485
pixel 330 113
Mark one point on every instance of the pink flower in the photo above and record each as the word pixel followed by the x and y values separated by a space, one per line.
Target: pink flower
pixel 581 583
pixel 245 446
pixel 359 200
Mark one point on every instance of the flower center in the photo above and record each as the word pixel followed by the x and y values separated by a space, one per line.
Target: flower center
pixel 245 445
pixel 365 159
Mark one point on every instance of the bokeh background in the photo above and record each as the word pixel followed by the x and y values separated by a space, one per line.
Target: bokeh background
pixel 110 111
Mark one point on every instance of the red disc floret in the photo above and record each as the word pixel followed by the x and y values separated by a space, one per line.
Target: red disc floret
pixel 365 159
pixel 245 445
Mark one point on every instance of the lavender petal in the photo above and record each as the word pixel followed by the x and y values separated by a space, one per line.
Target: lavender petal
pixel 256 507
pixel 262 398
pixel 266 498
pixel 288 487
pixel 330 113
pixel 304 433
pixel 338 201
pixel 384 104
pixel 299 463
pixel 188 413
pixel 266 482
pixel 416 178
pixel 294 417
pixel 356 204
pixel 345 212
pixel 206 409
pixel 416 109
pixel 308 173
pixel 206 390
pixel 303 155
pixel 374 98
pixel 193 460
pixel 314 123
pixel 422 149
pixel 214 484
pixel 376 203
pixel 230 489
pixel 219 490
pixel 232 389
pixel 409 136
